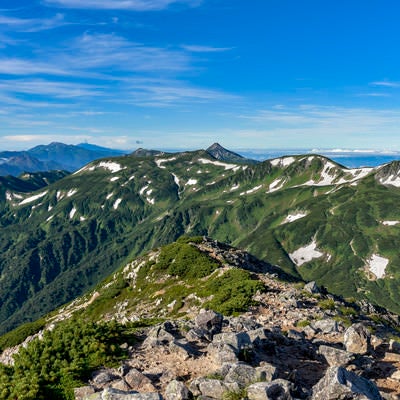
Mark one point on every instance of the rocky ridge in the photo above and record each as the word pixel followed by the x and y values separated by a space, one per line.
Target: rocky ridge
pixel 298 342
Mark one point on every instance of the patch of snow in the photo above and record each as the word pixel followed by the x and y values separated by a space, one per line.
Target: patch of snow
pixel 9 196
pixel 149 200
pixel 117 203
pixel 115 178
pixel 109 195
pixel 276 185
pixel 328 175
pixel 71 192
pixel 50 218
pixel 282 161
pixel 211 183
pixel 235 187
pixel 59 195
pixel 176 179
pixel 294 217
pixel 160 161
pixel 377 265
pixel 191 182
pixel 82 218
pixel 219 164
pixel 251 190
pixel 131 178
pixel 49 208
pixel 72 213
pixel 149 192
pixel 33 198
pixel 390 223
pixel 143 189
pixel 305 254
pixel 111 166
pixel 392 180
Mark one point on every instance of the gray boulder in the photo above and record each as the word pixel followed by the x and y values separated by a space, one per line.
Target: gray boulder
pixel 278 389
pixel 209 321
pixel 357 339
pixel 266 372
pixel 311 287
pixel 339 383
pixel 212 388
pixel 115 394
pixel 335 357
pixel 241 373
pixel 326 326
pixel 222 353
pixel 137 381
pixel 176 390
pixel 83 392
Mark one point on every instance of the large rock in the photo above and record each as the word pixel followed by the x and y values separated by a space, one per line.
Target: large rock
pixel 241 373
pixel 115 394
pixel 212 388
pixel 311 287
pixel 209 321
pixel 338 383
pixel 278 389
pixel 357 339
pixel 335 357
pixel 222 353
pixel 83 392
pixel 177 390
pixel 137 381
pixel 326 326
pixel 236 340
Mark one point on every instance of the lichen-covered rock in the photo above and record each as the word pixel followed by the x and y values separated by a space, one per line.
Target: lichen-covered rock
pixel 326 326
pixel 222 353
pixel 83 392
pixel 115 394
pixel 215 388
pixel 357 339
pixel 339 383
pixel 137 381
pixel 278 389
pixel 335 357
pixel 209 321
pixel 177 390
pixel 311 287
pixel 241 373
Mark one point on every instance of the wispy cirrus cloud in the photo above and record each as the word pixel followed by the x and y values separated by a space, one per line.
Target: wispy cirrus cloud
pixel 325 126
pixel 32 24
pixel 205 49
pixel 132 5
pixel 387 84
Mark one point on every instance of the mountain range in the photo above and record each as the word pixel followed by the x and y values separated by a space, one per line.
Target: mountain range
pixel 54 156
pixel 312 217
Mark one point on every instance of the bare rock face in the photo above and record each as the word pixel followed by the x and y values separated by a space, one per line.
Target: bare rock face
pixel 115 394
pixel 338 383
pixel 137 381
pixel 357 339
pixel 311 287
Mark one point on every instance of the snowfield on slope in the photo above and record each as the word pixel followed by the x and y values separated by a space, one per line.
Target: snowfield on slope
pixel 377 265
pixel 305 254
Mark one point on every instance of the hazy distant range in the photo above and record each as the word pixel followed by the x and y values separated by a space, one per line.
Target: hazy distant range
pixel 350 159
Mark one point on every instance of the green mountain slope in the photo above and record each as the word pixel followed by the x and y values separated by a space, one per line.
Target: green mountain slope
pixel 312 217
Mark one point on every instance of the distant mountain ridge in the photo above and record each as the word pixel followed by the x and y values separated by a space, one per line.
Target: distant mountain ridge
pixel 312 217
pixel 54 156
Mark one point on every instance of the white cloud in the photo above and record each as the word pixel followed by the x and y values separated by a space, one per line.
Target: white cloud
pixel 388 84
pixel 133 5
pixel 32 25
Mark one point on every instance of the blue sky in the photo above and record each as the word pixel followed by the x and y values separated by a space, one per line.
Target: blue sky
pixel 183 74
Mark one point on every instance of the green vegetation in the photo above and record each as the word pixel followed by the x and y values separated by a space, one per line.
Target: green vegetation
pixel 327 304
pixel 50 368
pixel 91 223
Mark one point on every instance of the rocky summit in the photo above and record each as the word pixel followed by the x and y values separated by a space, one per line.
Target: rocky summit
pixel 293 340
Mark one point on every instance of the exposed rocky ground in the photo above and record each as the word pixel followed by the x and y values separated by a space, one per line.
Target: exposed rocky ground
pixel 297 343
